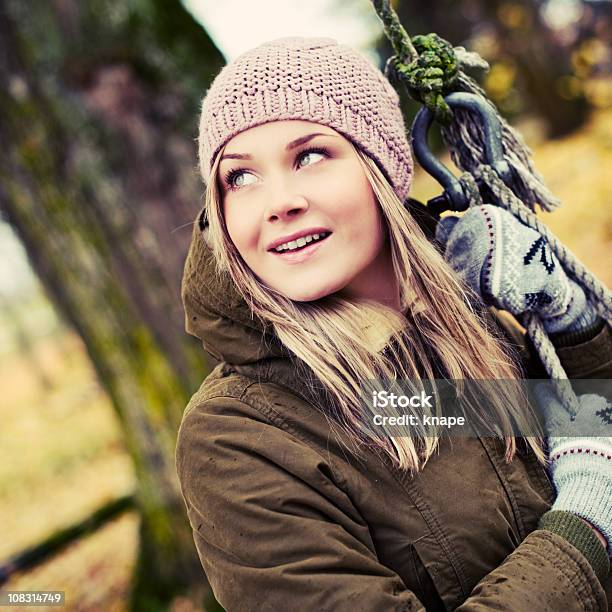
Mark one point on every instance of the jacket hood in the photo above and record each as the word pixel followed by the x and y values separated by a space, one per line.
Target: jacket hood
pixel 217 314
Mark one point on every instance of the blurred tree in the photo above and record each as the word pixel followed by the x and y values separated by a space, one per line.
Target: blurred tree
pixel 528 60
pixel 98 108
pixel 24 340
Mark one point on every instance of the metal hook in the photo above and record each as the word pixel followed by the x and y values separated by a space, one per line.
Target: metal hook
pixel 454 198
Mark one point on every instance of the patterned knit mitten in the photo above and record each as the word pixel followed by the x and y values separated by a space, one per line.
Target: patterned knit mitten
pixel 512 267
pixel 580 452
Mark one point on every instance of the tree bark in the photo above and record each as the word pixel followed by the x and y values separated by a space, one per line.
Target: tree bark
pixel 98 115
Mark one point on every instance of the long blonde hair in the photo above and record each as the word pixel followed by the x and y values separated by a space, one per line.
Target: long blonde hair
pixel 442 336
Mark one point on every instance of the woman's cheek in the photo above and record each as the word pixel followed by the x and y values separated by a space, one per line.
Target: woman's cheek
pixel 238 231
pixel 246 233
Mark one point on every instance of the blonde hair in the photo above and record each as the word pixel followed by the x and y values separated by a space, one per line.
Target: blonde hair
pixel 443 336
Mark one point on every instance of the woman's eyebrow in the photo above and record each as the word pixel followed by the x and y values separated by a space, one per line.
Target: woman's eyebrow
pixel 292 145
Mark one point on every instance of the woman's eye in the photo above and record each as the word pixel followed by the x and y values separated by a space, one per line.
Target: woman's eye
pixel 236 178
pixel 242 179
pixel 309 154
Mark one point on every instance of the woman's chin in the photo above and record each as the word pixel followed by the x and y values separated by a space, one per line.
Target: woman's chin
pixel 307 295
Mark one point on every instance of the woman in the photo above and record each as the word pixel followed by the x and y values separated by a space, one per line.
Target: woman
pixel 307 276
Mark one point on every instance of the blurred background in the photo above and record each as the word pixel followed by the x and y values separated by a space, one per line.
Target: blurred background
pixel 98 191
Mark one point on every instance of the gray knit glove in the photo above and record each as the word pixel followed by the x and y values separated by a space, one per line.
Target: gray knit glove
pixel 512 267
pixel 580 452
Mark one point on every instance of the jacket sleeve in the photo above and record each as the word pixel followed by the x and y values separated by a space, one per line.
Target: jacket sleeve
pixel 545 572
pixel 273 529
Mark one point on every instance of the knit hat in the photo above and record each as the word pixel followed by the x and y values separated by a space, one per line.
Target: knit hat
pixel 313 79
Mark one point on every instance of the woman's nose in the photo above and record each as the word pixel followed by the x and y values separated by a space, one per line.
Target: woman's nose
pixel 286 206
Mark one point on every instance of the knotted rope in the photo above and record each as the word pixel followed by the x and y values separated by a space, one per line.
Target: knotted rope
pixel 432 74
pixel 430 68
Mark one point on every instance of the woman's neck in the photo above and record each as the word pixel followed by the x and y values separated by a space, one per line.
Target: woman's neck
pixel 377 283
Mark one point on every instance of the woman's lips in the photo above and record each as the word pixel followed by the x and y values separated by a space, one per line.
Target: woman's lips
pixel 293 257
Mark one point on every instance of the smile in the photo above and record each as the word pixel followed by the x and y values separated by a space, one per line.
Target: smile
pixel 302 248
pixel 295 245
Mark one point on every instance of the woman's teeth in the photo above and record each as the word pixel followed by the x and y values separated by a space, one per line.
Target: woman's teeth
pixel 300 242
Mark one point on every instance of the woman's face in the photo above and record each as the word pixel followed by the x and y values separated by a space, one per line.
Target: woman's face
pixel 285 183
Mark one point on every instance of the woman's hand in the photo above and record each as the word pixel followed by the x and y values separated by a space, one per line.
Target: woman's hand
pixel 512 267
pixel 580 453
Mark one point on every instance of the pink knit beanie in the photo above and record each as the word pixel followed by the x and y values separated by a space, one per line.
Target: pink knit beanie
pixel 314 79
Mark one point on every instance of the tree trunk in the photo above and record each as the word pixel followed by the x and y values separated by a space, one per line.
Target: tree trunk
pixel 25 341
pixel 98 114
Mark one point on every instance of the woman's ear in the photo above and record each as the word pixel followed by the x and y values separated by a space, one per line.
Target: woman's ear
pixel 202 221
pixel 204 227
pixel 425 218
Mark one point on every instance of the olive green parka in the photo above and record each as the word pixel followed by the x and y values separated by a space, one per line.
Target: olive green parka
pixel 286 517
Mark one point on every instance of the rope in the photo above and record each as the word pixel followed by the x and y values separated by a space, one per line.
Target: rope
pixel 429 68
pixel 431 75
pixel 470 188
pixel 394 30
